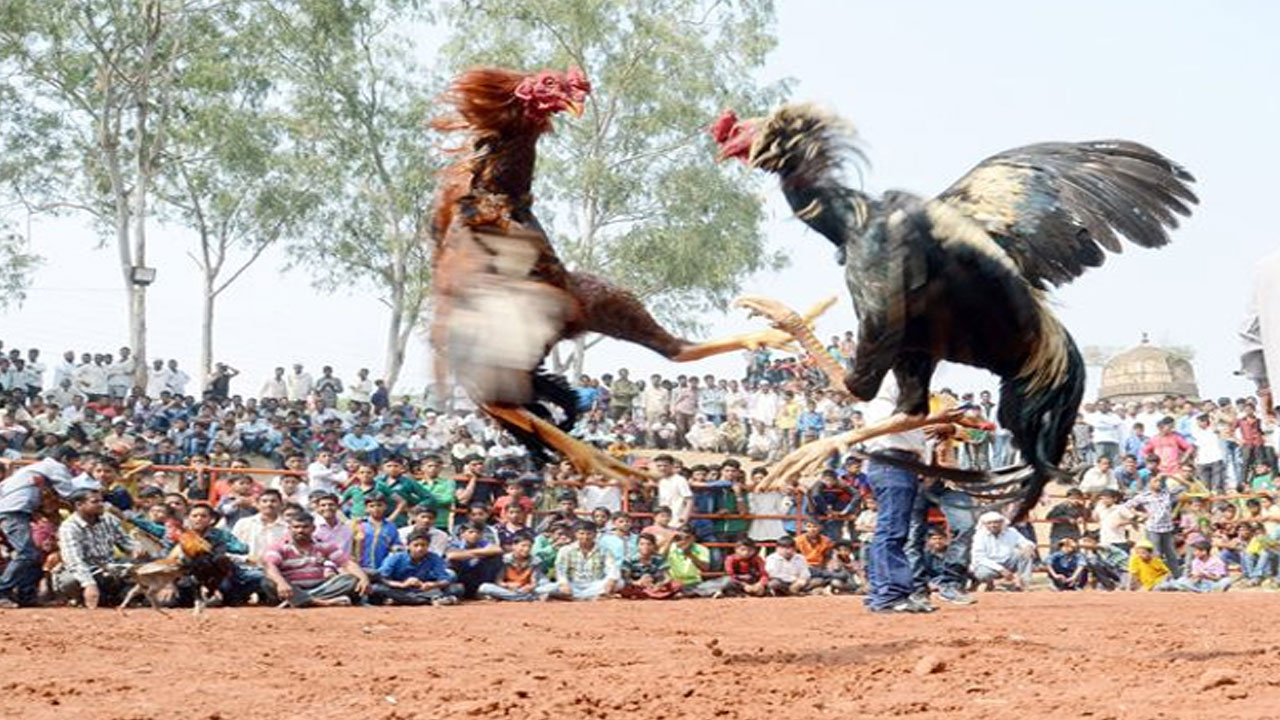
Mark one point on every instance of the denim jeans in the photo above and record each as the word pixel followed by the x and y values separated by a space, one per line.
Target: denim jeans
pixel 957 507
pixel 1214 475
pixel 22 574
pixel 498 592
pixel 1167 549
pixel 889 570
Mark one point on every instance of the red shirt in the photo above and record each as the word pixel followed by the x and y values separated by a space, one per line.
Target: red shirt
pixel 500 505
pixel 1251 431
pixel 747 571
pixel 1169 447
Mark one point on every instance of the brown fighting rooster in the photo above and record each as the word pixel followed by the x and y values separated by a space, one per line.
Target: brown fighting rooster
pixel 502 298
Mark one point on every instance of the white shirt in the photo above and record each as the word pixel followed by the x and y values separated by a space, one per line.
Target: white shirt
pixel 1095 481
pixel 1208 444
pixel 300 385
pixel 360 390
pixel 64 370
pixel 91 379
pixel 994 551
pixel 882 407
pixel 1106 426
pixel 157 382
pixel 259 536
pixel 324 477
pixel 177 381
pixel 786 570
pixel 275 389
pixel 674 492
pixel 35 374
pixel 120 373
pixel 1113 524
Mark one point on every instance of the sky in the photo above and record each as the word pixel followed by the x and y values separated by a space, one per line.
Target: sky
pixel 933 88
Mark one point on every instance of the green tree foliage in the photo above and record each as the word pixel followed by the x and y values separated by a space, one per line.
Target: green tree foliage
pixel 17 264
pixel 359 104
pixel 630 191
pixel 91 86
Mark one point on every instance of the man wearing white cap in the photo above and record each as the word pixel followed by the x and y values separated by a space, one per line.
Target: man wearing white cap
pixel 1001 553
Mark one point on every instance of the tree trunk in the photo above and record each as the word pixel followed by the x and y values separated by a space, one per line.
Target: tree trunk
pixel 396 339
pixel 206 326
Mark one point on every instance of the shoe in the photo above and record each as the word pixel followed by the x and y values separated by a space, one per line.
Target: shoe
pixel 7 604
pixel 923 607
pixel 446 600
pixel 955 595
pixel 905 606
pixel 920 597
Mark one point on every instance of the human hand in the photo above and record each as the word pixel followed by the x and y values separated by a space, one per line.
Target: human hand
pixel 284 590
pixel 362 585
pixel 91 596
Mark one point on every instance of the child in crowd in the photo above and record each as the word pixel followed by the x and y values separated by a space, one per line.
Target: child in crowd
pixel 413 576
pixel 645 574
pixel 374 536
pixel 1066 567
pixel 1105 565
pixel 788 572
pixel 844 571
pixel 519 578
pixel 744 570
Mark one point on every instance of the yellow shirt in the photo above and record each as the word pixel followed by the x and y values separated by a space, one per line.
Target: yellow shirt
pixel 788 416
pixel 1148 572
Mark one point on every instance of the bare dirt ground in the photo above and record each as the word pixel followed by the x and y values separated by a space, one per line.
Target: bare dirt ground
pixel 1090 656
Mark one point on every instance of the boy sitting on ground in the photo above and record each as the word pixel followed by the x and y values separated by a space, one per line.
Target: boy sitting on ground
pixel 1066 567
pixel 520 576
pixel 645 574
pixel 844 572
pixel 1105 565
pixel 788 572
pixel 744 570
pixel 414 576
pixel 1146 570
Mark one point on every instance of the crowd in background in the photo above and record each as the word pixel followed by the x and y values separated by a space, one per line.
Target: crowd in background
pixel 336 491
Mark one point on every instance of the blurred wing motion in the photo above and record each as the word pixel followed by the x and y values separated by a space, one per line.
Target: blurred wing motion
pixel 1055 207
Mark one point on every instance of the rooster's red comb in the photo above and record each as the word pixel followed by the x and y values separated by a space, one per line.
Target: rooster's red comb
pixel 724 126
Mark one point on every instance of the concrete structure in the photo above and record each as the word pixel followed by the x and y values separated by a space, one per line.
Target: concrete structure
pixel 1147 372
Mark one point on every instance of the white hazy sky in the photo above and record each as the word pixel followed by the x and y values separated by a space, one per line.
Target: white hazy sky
pixel 933 89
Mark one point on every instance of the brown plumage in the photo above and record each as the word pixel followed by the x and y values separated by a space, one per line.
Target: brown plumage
pixel 502 297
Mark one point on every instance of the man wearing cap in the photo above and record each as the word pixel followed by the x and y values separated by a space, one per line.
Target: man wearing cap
pixel 1001 553
pixel 21 496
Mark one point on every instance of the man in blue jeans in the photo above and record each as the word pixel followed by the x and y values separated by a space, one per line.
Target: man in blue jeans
pixel 21 495
pixel 889 571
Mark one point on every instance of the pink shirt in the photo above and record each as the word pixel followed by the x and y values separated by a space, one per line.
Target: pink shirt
pixel 337 534
pixel 1210 568
pixel 308 566
pixel 1169 448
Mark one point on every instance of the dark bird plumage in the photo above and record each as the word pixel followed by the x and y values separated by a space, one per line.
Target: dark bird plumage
pixel 962 277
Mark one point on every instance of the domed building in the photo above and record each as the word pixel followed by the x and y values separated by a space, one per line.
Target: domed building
pixel 1147 372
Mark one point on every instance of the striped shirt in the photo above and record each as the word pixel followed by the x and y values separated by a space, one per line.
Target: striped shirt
pixel 86 546
pixel 1159 509
pixel 304 566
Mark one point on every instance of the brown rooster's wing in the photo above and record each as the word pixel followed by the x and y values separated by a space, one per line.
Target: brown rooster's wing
pixel 1054 207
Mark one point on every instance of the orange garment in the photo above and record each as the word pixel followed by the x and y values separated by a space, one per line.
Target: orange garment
pixel 815 552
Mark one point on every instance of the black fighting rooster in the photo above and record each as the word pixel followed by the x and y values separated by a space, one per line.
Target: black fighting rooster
pixel 963 276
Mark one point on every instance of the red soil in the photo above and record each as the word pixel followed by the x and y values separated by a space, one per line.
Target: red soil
pixel 1041 654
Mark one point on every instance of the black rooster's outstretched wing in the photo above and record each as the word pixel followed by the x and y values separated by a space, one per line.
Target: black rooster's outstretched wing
pixel 1053 207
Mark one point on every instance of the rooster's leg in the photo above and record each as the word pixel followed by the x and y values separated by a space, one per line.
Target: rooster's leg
pixel 810 459
pixel 612 311
pixel 799 327
pixel 585 459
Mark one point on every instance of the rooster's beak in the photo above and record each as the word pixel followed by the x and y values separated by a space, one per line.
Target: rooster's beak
pixel 575 107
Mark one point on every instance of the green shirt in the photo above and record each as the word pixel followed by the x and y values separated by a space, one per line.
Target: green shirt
pixel 544 554
pixel 442 494
pixel 681 568
pixel 413 493
pixel 353 498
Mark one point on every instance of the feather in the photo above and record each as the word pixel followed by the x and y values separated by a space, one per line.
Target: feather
pixel 1055 207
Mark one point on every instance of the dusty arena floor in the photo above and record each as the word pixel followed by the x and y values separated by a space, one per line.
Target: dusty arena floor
pixel 1091 656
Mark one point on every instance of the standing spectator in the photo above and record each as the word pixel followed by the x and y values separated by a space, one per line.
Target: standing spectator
pixel 1211 466
pixel 176 380
pixel 66 369
pixel 1136 441
pixel 1107 427
pixel 300 570
pixel 157 379
pixel 218 386
pixel 1169 446
pixel 674 490
pixel 1067 518
pixel 299 384
pixel 1113 521
pixel 1001 553
pixel 362 389
pixel 328 387
pixel 622 396
pixel 275 387
pixel 373 536
pixel 35 373
pixel 1156 504
pixel 20 498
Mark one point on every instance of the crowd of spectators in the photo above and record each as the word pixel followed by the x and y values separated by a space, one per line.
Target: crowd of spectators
pixel 316 491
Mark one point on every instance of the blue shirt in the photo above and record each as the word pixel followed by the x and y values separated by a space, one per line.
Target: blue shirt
pixel 621 550
pixel 1064 563
pixel 362 443
pixel 375 543
pixel 1133 446
pixel 810 422
pixel 399 566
